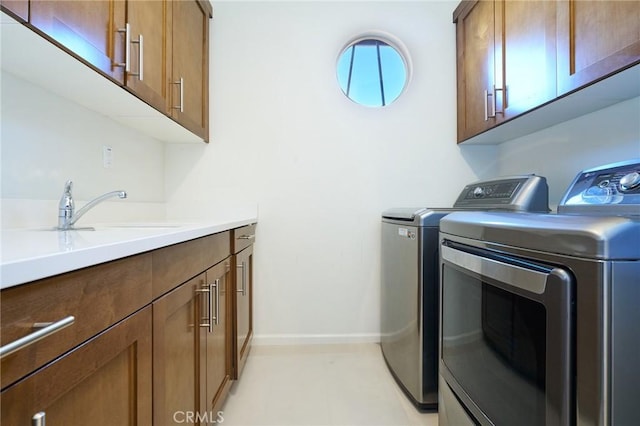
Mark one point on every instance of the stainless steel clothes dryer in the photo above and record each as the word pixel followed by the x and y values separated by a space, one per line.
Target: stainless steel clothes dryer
pixel 539 312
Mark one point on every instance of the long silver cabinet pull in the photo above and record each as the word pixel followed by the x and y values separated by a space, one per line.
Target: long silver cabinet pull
pixel 38 419
pixel 140 43
pixel 209 323
pixel 243 288
pixel 488 95
pixel 127 47
pixel 181 106
pixel 127 52
pixel 247 237
pixel 495 100
pixel 216 285
pixel 29 339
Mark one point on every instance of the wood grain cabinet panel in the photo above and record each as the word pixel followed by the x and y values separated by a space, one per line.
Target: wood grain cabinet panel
pixel 506 61
pixel 475 35
pixel 175 264
pixel 190 64
pixel 176 366
pixel 243 308
pixel 242 326
pixel 595 39
pixel 148 21
pixel 191 347
pixel 525 65
pixel 215 349
pixel 106 381
pixel 97 297
pixel 17 8
pixel 88 29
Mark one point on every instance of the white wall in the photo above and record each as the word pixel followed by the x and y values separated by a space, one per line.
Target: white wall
pixel 320 167
pixel 47 140
pixel 560 152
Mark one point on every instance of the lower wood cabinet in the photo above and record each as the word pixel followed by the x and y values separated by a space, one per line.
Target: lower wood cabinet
pixel 152 338
pixel 105 381
pixel 243 308
pixel 191 360
pixel 242 319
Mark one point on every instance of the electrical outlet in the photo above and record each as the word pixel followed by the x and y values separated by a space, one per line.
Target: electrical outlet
pixel 107 156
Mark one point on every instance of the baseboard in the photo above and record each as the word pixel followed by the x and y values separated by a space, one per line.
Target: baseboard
pixel 313 339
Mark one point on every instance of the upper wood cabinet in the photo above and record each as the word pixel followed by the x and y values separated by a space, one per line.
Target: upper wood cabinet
pixel 516 56
pixel 525 56
pixel 145 38
pixel 505 61
pixel 157 49
pixel 17 8
pixel 89 29
pixel 189 103
pixel 475 35
pixel 595 39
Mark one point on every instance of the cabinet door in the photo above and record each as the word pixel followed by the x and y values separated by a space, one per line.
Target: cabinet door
pixel 475 67
pixel 190 69
pixel 215 349
pixel 17 8
pixel 88 29
pixel 525 56
pixel 148 26
pixel 106 381
pixel 243 307
pixel 595 39
pixel 176 351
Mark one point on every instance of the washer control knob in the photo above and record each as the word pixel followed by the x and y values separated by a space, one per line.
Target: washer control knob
pixel 478 192
pixel 630 181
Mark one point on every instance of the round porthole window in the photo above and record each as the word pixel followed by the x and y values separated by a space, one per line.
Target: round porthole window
pixel 372 71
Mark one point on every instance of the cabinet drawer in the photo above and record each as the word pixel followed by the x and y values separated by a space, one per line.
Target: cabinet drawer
pixel 98 297
pixel 179 263
pixel 243 237
pixel 106 381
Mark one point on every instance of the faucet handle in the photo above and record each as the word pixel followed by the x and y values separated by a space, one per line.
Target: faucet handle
pixel 68 186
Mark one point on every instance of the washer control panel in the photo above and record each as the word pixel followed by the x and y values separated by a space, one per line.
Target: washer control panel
pixel 612 189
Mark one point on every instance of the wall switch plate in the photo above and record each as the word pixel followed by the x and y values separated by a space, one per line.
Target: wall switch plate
pixel 107 156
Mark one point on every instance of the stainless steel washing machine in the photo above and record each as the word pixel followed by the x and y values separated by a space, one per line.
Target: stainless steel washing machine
pixel 410 279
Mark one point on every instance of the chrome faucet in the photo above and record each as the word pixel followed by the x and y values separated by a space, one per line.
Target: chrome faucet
pixel 67 216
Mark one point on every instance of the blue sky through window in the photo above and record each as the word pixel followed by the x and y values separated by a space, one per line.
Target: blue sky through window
pixel 360 68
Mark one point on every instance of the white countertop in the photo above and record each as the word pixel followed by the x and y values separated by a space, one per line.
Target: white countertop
pixel 31 254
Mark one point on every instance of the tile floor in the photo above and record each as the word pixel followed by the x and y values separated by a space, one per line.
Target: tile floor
pixel 346 385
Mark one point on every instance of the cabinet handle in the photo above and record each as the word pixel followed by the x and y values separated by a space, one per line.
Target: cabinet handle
pixel 181 83
pixel 209 323
pixel 29 339
pixel 38 419
pixel 216 285
pixel 488 95
pixel 127 47
pixel 243 288
pixel 127 52
pixel 247 237
pixel 495 100
pixel 140 43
